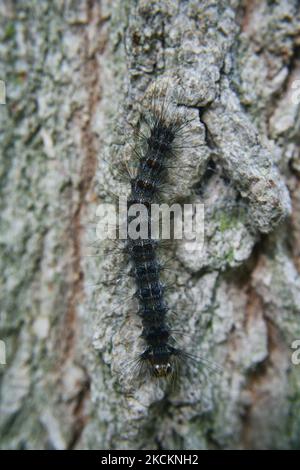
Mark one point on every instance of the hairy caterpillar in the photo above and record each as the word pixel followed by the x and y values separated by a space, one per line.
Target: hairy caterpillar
pixel 160 132
pixel 160 146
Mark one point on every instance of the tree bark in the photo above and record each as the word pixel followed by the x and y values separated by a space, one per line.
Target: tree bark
pixel 76 73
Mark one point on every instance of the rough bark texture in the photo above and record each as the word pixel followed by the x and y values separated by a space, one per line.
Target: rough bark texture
pixel 75 74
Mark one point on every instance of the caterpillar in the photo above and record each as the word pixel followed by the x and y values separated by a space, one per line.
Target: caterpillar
pixel 148 166
pixel 161 137
pixel 160 357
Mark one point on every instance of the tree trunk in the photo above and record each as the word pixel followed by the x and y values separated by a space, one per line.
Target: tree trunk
pixel 75 73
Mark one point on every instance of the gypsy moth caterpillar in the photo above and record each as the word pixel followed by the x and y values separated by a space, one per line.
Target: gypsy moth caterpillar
pixel 162 134
pixel 157 149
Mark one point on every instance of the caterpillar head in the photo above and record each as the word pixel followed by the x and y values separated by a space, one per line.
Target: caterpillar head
pixel 160 361
pixel 162 369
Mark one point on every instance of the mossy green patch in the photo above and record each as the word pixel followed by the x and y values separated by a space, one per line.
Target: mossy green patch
pixel 9 31
pixel 225 222
pixel 230 255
